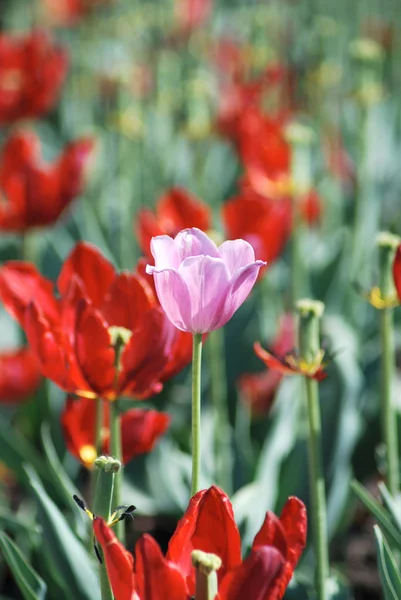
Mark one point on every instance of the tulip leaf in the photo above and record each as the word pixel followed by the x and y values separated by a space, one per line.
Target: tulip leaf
pixel 15 450
pixel 389 574
pixel 15 524
pixel 391 504
pixel 32 587
pixel 381 514
pixel 68 555
pixel 64 486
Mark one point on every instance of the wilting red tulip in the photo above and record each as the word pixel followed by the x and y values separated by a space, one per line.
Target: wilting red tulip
pixel 177 209
pixel 258 389
pixel 32 72
pixel 209 525
pixel 140 430
pixel 106 336
pixel 290 364
pixel 265 224
pixel 19 375
pixel 34 193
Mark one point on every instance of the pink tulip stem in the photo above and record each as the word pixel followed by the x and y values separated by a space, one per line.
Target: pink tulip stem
pixel 218 396
pixel 196 411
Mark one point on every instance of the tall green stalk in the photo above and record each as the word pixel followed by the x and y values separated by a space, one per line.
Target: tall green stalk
pixel 196 411
pixel 387 244
pixel 309 314
pixel 116 452
pixel 106 468
pixel 218 395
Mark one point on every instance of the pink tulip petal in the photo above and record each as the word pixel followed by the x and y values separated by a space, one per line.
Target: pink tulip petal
pixel 194 242
pixel 239 289
pixel 237 254
pixel 165 252
pixel 174 297
pixel 208 281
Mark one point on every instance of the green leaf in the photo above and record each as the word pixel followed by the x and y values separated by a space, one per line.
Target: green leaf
pixel 62 483
pixel 389 573
pixel 30 584
pixel 15 524
pixel 391 504
pixel 69 557
pixel 380 514
pixel 15 450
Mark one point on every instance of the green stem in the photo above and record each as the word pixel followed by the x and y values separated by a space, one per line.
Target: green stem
pixel 309 312
pixel 99 426
pixel 389 417
pixel 116 452
pixel 102 508
pixel 317 490
pixel 218 394
pixel 297 274
pixel 196 411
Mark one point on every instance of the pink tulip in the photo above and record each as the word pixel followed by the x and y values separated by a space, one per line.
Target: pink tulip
pixel 200 285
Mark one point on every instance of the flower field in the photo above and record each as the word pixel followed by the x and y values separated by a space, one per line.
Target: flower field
pixel 200 280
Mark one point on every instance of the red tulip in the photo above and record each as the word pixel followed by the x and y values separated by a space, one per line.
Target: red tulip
pixel 397 271
pixel 32 72
pixel 290 364
pixel 264 223
pixel 75 337
pixel 258 389
pixel 19 375
pixel 209 525
pixel 191 14
pixel 140 430
pixel 177 209
pixel 34 193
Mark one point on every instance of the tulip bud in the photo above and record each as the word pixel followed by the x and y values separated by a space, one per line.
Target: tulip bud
pixel 387 244
pixel 310 312
pixel 206 566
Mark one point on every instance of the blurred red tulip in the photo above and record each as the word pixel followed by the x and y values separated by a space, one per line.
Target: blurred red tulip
pixel 191 14
pixel 33 193
pixel 106 336
pixel 290 364
pixel 258 390
pixel 32 72
pixel 264 223
pixel 208 524
pixel 19 375
pixel 177 209
pixel 397 271
pixel 140 430
pixel 69 12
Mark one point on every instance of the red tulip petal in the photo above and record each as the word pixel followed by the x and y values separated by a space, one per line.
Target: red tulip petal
pixel 157 577
pixel 141 430
pixel 271 534
pixel 397 271
pixel 146 355
pixel 288 535
pixel 273 362
pixel 20 284
pixel 47 345
pixel 180 355
pixel 128 298
pixel 208 524
pixel 177 209
pixel 147 227
pixel 96 273
pixel 94 354
pixel 19 375
pixel 78 422
pixel 119 562
pixel 254 578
